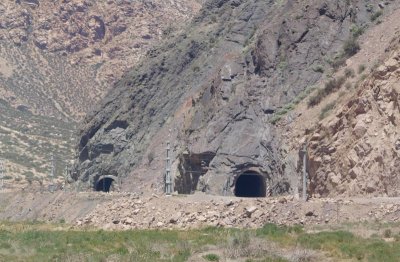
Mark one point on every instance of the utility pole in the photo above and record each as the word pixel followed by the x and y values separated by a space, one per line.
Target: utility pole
pixel 305 172
pixel 2 170
pixel 65 177
pixel 104 184
pixel 52 174
pixel 168 179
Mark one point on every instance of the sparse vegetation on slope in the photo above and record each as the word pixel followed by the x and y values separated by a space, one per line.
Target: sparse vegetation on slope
pixel 27 142
pixel 41 242
pixel 331 86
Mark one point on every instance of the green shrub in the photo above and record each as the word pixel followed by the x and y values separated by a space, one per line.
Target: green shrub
pixel 276 231
pixel 304 94
pixel 349 72
pixel 213 19
pixel 282 65
pixel 318 69
pixel 387 233
pixel 211 257
pixel 270 229
pixel 334 84
pixel 356 30
pixel 316 98
pixel 369 7
pixel 351 47
pixel 239 240
pixel 337 62
pixel 363 77
pixel 330 86
pixel 319 240
pixel 275 119
pixel 290 106
pixel 150 157
pixel 281 112
pixel 325 110
pixel 361 68
pixel 376 15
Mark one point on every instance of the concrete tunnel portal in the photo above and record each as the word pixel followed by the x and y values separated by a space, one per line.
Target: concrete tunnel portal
pixel 105 184
pixel 250 184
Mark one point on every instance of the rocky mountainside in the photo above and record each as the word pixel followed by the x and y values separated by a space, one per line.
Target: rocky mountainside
pixel 366 131
pixel 50 48
pixel 352 135
pixel 58 58
pixel 218 91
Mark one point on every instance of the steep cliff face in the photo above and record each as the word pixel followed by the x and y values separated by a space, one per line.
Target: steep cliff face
pixel 213 91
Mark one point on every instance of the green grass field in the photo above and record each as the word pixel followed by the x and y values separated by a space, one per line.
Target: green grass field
pixel 45 242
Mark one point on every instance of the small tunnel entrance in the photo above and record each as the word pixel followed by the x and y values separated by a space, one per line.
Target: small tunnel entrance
pixel 104 184
pixel 250 184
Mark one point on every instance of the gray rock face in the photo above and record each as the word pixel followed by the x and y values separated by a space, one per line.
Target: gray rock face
pixel 212 91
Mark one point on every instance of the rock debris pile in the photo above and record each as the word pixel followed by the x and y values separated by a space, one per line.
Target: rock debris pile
pixel 133 212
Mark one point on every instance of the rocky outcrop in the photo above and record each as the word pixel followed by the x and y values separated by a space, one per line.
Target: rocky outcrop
pixel 357 152
pixel 213 90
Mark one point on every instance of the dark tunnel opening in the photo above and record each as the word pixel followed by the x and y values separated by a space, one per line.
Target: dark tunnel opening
pixel 104 184
pixel 250 185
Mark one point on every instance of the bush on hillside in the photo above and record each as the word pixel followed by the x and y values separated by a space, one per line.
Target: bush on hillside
pixel 330 86
pixel 351 47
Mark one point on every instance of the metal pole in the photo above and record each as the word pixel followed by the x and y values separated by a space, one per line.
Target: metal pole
pixel 168 180
pixel 305 173
pixel 52 174
pixel 1 174
pixel 65 178
pixel 337 212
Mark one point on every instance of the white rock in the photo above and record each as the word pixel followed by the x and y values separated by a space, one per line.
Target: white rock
pixel 201 218
pixel 250 210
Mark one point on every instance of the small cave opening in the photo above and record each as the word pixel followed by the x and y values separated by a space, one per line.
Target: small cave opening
pixel 250 184
pixel 104 184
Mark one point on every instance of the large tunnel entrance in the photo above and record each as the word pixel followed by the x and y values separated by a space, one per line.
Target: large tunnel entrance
pixel 104 184
pixel 250 184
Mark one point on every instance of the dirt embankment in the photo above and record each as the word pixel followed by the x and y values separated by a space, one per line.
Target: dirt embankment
pixel 118 211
